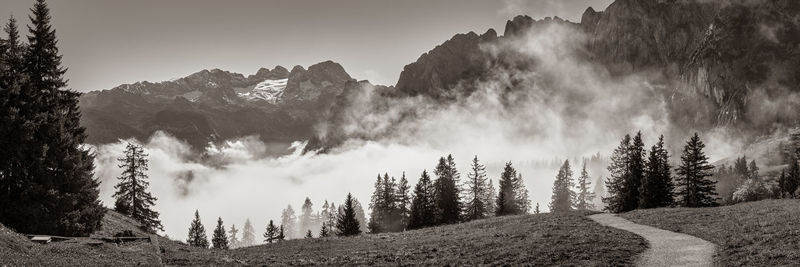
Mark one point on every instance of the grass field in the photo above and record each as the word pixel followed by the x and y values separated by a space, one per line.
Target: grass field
pixel 545 239
pixel 763 233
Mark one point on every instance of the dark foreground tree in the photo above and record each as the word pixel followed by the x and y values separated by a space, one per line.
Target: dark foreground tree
pixel 423 207
pixel 132 197
pixel 11 79
pixel 513 197
pixel 585 198
pixel 271 233
pixel 48 175
pixel 197 233
pixel 447 196
pixel 477 190
pixel 220 239
pixel 563 196
pixel 694 187
pixel 347 224
pixel 403 202
pixel 657 188
pixel 619 173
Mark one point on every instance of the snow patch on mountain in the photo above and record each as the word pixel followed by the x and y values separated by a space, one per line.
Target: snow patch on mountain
pixel 268 90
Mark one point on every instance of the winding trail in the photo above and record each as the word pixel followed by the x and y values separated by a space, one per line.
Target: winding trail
pixel 667 248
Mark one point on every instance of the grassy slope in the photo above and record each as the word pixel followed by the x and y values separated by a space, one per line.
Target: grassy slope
pixel 17 250
pixel 545 239
pixel 763 233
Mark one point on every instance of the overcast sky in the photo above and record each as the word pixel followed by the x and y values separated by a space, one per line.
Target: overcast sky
pixel 110 42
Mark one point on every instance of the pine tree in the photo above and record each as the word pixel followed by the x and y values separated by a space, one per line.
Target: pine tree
pixel 288 221
pixel 248 234
pixel 476 207
pixel 361 216
pixel 423 207
pixel 447 196
pixel 220 239
pixel 281 234
pixel 233 240
pixel 793 177
pixel 333 213
pixel 323 231
pixel 619 173
pixel 309 234
pixel 536 210
pixel 694 187
pixel 489 199
pixel 271 233
pixel 48 173
pixel 377 205
pixel 403 202
pixel 306 214
pixel 512 198
pixel 657 188
pixel 347 224
pixel 585 198
pixel 563 196
pixel 197 233
pixel 636 165
pixel 132 196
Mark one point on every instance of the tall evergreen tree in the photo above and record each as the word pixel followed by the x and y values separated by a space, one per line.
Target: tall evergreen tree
pixel 132 197
pixel 512 197
pixel 347 224
pixel 49 176
pixel 248 234
pixel 563 196
pixel 306 214
pixel 197 233
pixel 694 187
pixel 11 80
pixel 619 173
pixel 423 206
pixel 585 198
pixel 378 206
pixel 447 196
pixel 657 189
pixel 477 190
pixel 793 177
pixel 271 233
pixel 281 234
pixel 288 221
pixel 220 239
pixel 233 240
pixel 636 165
pixel 403 202
pixel 489 199
pixel 333 213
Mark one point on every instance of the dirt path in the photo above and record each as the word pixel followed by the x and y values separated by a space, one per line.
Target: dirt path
pixel 667 248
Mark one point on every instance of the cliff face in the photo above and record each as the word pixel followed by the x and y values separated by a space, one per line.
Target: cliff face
pixel 714 58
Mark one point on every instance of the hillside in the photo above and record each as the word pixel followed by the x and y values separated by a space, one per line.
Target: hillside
pixel 544 239
pixel 763 233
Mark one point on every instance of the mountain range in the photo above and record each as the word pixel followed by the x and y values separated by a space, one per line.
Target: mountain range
pixel 733 63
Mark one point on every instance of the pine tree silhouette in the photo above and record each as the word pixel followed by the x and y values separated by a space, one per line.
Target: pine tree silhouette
pixel 220 239
pixel 347 224
pixel 197 233
pixel 132 197
pixel 694 187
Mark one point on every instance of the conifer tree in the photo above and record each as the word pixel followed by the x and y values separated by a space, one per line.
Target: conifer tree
pixel 403 202
pixel 132 196
pixel 377 205
pixel 48 173
pixel 489 199
pixel 347 224
pixel 636 165
pixel 281 234
pixel 288 221
pixel 233 240
pixel 271 233
pixel 694 187
pixel 423 207
pixel 619 173
pixel 323 231
pixel 333 213
pixel 477 190
pixel 361 216
pixel 512 198
pixel 522 200
pixel 793 177
pixel 248 234
pixel 447 196
pixel 585 198
pixel 306 214
pixel 536 210
pixel 657 188
pixel 309 234
pixel 11 79
pixel 563 196
pixel 220 239
pixel 197 233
